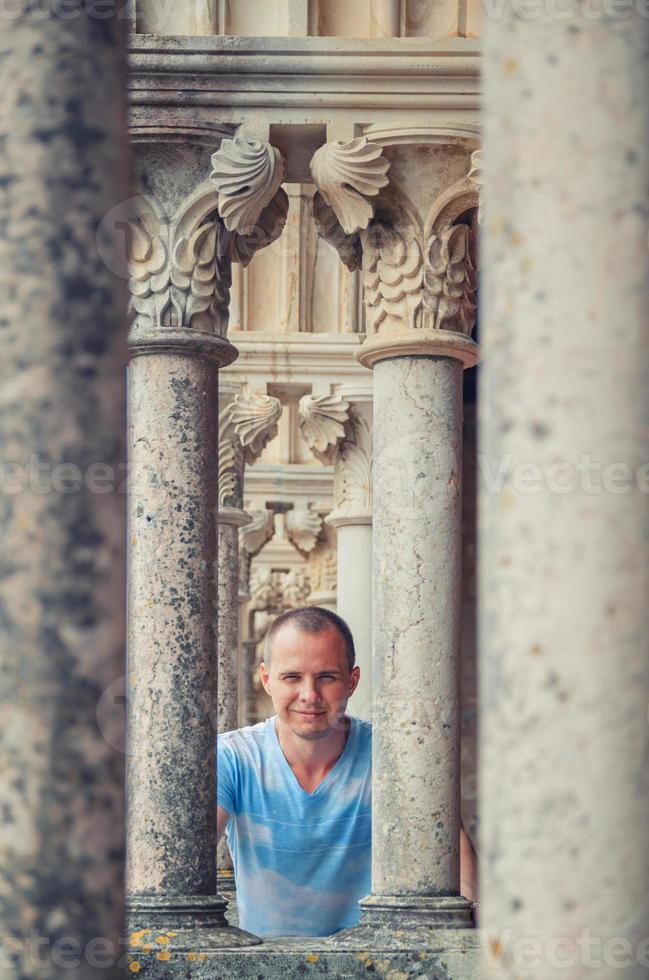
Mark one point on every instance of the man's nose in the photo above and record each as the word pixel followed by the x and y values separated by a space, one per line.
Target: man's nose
pixel 309 691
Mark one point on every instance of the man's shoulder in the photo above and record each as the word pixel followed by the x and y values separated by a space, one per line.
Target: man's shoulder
pixel 243 740
pixel 364 728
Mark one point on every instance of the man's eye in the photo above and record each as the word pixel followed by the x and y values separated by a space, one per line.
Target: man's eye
pixel 327 677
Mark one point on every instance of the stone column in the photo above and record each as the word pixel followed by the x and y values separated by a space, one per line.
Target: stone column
pixel 62 446
pixel 180 268
pixel 411 235
pixel 339 431
pixel 247 422
pixel 252 538
pixel 564 548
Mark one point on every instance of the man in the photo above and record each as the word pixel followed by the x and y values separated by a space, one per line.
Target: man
pixel 295 791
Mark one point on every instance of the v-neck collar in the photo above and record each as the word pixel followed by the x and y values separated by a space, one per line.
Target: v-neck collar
pixel 336 766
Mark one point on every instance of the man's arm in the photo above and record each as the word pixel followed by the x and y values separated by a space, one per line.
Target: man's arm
pixel 468 868
pixel 222 817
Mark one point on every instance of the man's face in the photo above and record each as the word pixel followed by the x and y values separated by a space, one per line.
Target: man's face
pixel 309 680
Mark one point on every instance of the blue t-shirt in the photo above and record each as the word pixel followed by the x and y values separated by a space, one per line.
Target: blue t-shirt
pixel 301 860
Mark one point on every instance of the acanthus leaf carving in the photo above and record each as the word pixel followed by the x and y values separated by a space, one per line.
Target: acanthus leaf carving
pixel 230 463
pixel 322 568
pixel 322 422
pixel 392 277
pixel 303 528
pixel 353 475
pixel 180 278
pixel 252 538
pixel 247 174
pixel 476 176
pixel 246 426
pixel 450 281
pixel 348 175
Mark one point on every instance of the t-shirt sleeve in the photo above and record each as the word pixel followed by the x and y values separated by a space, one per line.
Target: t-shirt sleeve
pixel 227 781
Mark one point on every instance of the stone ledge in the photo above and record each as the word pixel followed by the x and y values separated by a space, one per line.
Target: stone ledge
pixel 450 955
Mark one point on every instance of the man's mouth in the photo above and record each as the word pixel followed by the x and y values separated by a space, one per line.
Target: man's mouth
pixel 311 714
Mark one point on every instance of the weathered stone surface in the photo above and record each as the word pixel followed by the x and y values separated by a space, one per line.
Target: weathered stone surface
pixel 564 546
pixel 172 643
pixel 417 566
pixel 62 435
pixel 296 958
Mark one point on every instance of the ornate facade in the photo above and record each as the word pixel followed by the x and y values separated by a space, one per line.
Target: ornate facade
pixel 300 241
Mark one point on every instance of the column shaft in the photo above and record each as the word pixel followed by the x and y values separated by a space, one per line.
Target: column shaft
pixel 62 446
pixel 417 566
pixel 228 628
pixel 228 657
pixel 564 566
pixel 172 642
pixel 354 603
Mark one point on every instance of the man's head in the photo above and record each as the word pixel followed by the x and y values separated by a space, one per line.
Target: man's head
pixel 308 670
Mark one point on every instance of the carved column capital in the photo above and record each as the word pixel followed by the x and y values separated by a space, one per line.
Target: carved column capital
pixel 412 236
pixel 340 433
pixel 353 470
pixel 247 423
pixel 252 538
pixel 180 263
pixel 322 420
pixel 476 176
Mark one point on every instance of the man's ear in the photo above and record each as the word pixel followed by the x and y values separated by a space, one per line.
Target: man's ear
pixel 354 678
pixel 264 673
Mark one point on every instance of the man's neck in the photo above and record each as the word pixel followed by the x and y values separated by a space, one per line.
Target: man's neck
pixel 314 757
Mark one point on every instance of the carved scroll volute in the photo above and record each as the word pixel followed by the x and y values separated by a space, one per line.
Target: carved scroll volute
pixel 322 422
pixel 303 528
pixel 247 174
pixel 246 426
pixel 348 176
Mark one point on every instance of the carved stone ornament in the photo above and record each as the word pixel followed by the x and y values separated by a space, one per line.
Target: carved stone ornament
pixel 353 474
pixel 178 280
pixel 255 417
pixel 303 527
pixel 247 174
pixel 323 569
pixel 322 423
pixel 180 270
pixel 347 175
pixel 450 280
pixel 476 176
pixel 326 223
pixel 392 277
pixel 246 426
pixel 252 538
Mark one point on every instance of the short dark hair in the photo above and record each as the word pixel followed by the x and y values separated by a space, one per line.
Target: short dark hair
pixel 311 619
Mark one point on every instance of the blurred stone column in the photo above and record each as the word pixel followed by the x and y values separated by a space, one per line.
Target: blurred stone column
pixel 411 235
pixel 252 538
pixel 564 546
pixel 338 430
pixel 247 422
pixel 63 168
pixel 180 275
